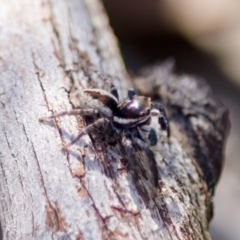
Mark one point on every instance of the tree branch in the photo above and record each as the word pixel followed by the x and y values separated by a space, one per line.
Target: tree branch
pixel 50 51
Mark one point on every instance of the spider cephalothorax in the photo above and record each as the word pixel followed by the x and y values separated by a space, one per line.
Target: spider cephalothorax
pixel 137 118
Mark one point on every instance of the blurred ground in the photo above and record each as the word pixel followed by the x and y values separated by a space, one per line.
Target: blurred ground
pixel 146 47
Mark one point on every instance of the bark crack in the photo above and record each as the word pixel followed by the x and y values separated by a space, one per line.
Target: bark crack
pixel 53 219
pixel 108 232
pixel 39 72
pixel 58 54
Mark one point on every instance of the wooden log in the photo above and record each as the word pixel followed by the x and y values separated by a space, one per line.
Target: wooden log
pixel 50 51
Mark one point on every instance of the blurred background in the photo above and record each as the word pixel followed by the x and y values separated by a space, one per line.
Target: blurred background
pixel 203 37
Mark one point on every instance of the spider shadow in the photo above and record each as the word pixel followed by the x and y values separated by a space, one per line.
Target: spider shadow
pixel 145 191
pixel 138 187
pixel 66 135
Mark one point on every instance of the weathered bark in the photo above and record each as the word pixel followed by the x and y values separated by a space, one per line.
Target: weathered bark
pixel 49 51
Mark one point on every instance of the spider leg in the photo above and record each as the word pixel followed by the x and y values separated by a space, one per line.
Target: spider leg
pixel 97 124
pixel 84 112
pixel 162 119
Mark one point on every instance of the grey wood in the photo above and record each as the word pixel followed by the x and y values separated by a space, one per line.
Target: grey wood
pixel 50 51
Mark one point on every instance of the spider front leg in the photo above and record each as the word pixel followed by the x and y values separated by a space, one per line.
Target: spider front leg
pixel 83 112
pixel 102 122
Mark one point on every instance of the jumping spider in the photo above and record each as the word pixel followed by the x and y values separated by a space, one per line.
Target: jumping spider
pixel 137 118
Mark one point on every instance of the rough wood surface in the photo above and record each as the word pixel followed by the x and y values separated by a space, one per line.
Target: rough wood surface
pixel 49 51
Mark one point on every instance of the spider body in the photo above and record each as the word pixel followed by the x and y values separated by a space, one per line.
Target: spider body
pixel 137 118
pixel 133 112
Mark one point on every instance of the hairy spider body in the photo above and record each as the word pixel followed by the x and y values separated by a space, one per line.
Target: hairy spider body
pixel 136 117
pixel 135 111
